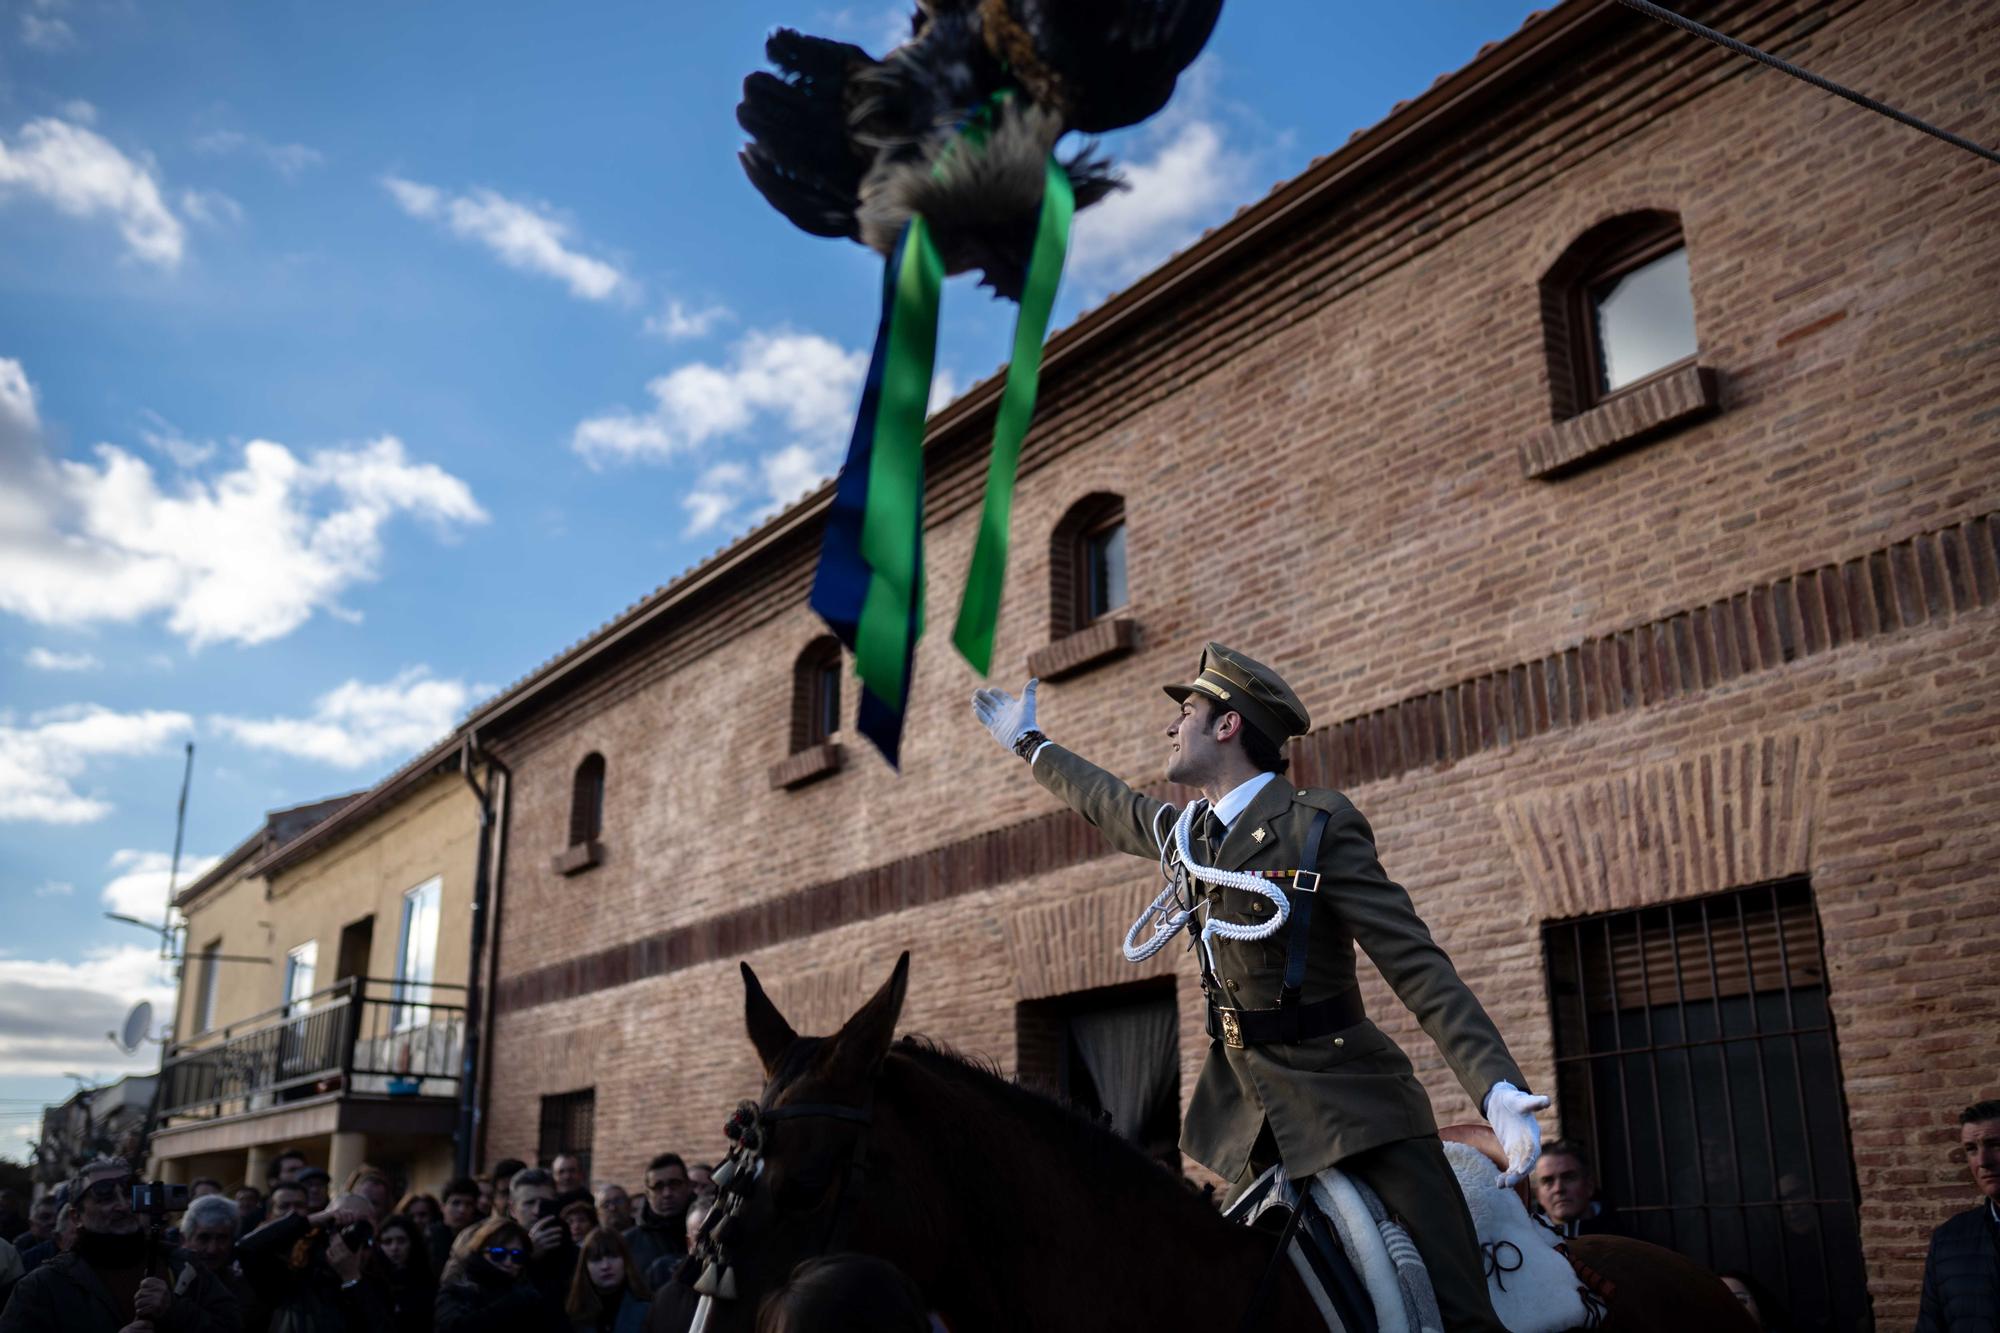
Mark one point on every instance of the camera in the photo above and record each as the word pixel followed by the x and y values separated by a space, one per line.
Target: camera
pixel 358 1236
pixel 156 1198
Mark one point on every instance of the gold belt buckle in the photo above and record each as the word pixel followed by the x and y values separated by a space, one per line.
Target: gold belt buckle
pixel 1232 1031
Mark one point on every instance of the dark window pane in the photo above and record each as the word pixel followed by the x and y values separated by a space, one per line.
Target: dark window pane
pixel 1645 321
pixel 827 700
pixel 1107 570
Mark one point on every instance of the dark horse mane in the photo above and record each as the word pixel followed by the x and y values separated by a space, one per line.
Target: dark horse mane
pixel 1062 1125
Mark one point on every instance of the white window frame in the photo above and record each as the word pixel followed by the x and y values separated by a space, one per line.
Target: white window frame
pixel 416 954
pixel 300 959
pixel 204 996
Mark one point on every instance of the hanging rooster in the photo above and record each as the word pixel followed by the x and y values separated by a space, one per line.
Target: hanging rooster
pixel 847 145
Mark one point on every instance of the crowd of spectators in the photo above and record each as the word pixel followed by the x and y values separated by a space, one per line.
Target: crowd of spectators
pixel 527 1249
pixel 523 1249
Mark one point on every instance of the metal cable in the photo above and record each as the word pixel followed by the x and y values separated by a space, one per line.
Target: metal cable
pixel 1825 85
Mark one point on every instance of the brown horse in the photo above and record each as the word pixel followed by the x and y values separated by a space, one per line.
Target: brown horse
pixel 1009 1211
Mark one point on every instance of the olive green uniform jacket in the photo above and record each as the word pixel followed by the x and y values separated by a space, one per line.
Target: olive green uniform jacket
pixel 1332 1096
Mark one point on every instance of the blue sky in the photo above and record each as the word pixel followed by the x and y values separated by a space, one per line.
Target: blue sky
pixel 355 359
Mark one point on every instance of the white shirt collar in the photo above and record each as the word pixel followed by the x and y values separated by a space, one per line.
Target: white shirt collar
pixel 1239 797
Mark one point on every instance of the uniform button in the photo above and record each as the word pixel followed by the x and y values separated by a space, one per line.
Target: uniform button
pixel 1232 986
pixel 1340 1041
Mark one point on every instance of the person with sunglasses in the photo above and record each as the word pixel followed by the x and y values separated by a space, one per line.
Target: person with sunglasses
pixel 486 1286
pixel 116 1278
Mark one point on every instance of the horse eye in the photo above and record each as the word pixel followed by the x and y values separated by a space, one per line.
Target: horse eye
pixel 802 1190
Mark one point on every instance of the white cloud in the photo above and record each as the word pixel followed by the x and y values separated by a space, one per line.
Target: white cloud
pixel 48 659
pixel 676 321
pixel 79 111
pixel 522 236
pixel 139 888
pixel 41 761
pixel 46 33
pixel 356 724
pixel 211 208
pixel 164 437
pixel 247 556
pixel 83 175
pixel 714 496
pixel 800 381
pixel 55 1015
pixel 54 888
pixel 289 160
pixel 1193 177
pixel 798 387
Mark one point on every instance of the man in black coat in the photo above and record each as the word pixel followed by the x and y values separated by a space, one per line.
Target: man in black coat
pixel 1962 1271
pixel 116 1275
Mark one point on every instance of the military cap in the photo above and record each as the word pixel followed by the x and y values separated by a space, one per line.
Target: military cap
pixel 1243 686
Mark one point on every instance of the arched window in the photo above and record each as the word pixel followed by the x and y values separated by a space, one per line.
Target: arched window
pixel 1618 310
pixel 816 694
pixel 1087 566
pixel 1618 329
pixel 586 801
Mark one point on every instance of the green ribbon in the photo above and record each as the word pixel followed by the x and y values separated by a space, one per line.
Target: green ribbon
pixel 892 613
pixel 979 611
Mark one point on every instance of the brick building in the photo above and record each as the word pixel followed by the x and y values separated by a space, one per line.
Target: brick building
pixel 1606 446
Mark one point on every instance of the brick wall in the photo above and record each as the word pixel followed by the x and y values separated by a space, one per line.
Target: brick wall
pixel 1320 458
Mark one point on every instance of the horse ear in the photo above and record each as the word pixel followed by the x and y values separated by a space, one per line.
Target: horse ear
pixel 861 1044
pixel 769 1032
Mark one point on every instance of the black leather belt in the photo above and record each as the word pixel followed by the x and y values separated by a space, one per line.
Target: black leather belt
pixel 1262 1027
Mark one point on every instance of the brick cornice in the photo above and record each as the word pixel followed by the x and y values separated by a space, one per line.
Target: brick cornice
pixel 1933 576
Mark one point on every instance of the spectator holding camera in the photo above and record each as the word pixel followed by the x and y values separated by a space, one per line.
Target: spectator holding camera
pixel 553 1254
pixel 486 1286
pixel 116 1278
pixel 504 1172
pixel 400 1261
pixel 305 1267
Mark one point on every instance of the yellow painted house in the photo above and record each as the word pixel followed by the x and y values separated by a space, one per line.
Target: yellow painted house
pixel 322 1002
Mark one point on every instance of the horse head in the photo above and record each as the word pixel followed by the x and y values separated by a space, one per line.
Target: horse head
pixel 801 1156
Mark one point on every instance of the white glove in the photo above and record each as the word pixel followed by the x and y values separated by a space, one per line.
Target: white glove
pixel 1002 714
pixel 1511 1113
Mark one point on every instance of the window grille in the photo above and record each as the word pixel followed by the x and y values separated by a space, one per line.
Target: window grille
pixel 569 1122
pixel 1695 1056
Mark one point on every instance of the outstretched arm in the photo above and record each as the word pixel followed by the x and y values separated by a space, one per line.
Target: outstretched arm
pixel 1383 921
pixel 1132 820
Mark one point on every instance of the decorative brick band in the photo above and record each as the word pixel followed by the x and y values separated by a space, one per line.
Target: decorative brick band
pixel 1722 817
pixel 1645 410
pixel 1929 577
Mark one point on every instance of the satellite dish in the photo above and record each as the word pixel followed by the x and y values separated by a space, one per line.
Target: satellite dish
pixel 137 1024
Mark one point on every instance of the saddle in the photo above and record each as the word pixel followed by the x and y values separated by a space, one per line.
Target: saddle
pixel 1364 1273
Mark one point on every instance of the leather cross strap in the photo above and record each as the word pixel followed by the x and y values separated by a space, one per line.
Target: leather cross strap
pixel 1304 892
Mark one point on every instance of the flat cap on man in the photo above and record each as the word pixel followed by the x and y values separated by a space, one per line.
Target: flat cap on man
pixel 1240 685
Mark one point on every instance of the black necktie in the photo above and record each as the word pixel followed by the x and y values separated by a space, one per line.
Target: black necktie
pixel 1213 831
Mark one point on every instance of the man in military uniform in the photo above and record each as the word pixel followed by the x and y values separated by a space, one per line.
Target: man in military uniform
pixel 1295 1072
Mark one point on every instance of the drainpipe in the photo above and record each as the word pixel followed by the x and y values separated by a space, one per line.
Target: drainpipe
pixel 468 1143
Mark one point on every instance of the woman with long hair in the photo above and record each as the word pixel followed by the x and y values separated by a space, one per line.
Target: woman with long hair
pixel 486 1287
pixel 400 1260
pixel 608 1293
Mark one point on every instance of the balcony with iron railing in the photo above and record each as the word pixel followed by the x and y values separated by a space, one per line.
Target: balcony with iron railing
pixel 365 1037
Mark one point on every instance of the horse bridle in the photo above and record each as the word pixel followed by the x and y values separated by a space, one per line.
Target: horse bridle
pixel 749 1131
